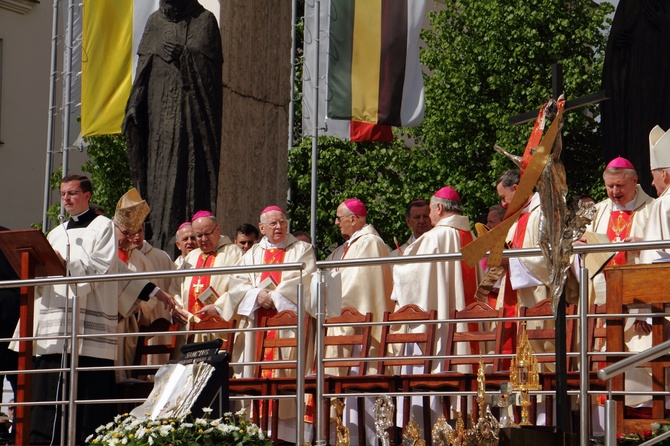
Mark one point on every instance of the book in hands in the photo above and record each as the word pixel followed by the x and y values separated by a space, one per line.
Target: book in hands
pixel 268 284
pixel 208 296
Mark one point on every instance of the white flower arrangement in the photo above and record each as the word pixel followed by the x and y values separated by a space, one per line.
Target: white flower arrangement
pixel 229 429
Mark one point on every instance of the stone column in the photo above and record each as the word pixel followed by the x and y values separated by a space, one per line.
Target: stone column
pixel 256 91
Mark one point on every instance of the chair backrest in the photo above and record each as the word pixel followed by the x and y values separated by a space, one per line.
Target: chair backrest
pixel 273 344
pixel 145 349
pixel 357 343
pixel 547 332
pixel 596 333
pixel 477 334
pixel 395 338
pixel 215 322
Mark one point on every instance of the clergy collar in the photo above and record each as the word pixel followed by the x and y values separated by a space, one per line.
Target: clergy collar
pixel 630 206
pixel 356 234
pixel 266 244
pixel 82 220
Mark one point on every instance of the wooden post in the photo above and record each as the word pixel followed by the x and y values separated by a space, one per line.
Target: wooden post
pixel 24 381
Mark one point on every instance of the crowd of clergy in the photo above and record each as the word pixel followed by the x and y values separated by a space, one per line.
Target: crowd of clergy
pixel 438 225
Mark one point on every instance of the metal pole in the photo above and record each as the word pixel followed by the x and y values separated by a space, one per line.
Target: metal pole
pixel 51 117
pixel 320 435
pixel 610 422
pixel 291 104
pixel 584 411
pixel 74 362
pixel 562 400
pixel 67 84
pixel 300 371
pixel 315 133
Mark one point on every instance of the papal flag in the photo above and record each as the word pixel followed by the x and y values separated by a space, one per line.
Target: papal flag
pixel 370 77
pixel 112 30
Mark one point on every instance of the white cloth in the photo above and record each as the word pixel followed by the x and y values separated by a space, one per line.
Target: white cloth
pixel 227 254
pixel 436 285
pixel 243 289
pixel 366 288
pixel 658 225
pixel 93 250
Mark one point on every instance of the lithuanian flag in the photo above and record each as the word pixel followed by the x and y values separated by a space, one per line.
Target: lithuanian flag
pixel 369 72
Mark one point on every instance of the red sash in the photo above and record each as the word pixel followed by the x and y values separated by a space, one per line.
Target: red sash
pixel 199 283
pixel 618 228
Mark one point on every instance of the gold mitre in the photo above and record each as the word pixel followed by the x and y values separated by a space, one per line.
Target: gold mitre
pixel 131 210
pixel 659 148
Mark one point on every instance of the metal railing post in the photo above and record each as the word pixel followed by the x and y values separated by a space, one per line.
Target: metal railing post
pixel 321 417
pixel 584 407
pixel 300 370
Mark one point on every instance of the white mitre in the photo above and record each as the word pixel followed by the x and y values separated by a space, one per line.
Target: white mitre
pixel 659 148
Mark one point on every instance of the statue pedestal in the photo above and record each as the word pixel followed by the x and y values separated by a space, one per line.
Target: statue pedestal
pixel 534 436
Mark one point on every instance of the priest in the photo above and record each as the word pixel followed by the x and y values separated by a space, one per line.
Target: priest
pixel 264 294
pixel 417 217
pixel 204 294
pixel 658 226
pixel 365 288
pixel 622 216
pixel 441 286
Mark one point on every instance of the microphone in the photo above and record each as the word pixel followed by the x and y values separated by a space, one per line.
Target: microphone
pixel 61 218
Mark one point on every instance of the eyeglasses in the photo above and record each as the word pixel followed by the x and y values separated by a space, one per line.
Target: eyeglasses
pixel 126 232
pixel 190 237
pixel 206 234
pixel 274 224
pixel 70 193
pixel 342 217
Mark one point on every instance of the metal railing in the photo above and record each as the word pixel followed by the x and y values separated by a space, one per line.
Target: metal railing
pixel 321 418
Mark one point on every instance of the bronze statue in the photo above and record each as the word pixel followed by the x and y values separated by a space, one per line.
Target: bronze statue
pixel 173 116
pixel 635 76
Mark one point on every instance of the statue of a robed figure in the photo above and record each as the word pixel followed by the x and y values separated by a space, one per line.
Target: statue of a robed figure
pixel 173 116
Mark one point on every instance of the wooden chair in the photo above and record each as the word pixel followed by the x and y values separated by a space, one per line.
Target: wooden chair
pixel 357 343
pixel 394 337
pixel 547 333
pixel 260 384
pixel 216 322
pixel 140 384
pixel 145 350
pixel 481 334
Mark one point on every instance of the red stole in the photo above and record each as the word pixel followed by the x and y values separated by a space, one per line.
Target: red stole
pixel 510 301
pixel 618 228
pixel 271 256
pixel 123 255
pixel 200 283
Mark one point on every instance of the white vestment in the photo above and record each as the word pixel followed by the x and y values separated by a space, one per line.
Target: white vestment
pixel 244 290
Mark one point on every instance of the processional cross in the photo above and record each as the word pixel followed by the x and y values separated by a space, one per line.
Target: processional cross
pixel 553 203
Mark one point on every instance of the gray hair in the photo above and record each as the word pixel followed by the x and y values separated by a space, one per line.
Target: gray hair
pixel 448 205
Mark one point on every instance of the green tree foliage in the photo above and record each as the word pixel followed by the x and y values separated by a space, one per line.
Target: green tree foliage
pixel 489 60
pixel 485 61
pixel 109 170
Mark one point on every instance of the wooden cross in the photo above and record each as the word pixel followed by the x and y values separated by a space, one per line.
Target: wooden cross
pixel 562 401
pixel 556 91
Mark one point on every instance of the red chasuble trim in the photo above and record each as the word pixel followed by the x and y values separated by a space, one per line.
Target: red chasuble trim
pixel 618 228
pixel 199 283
